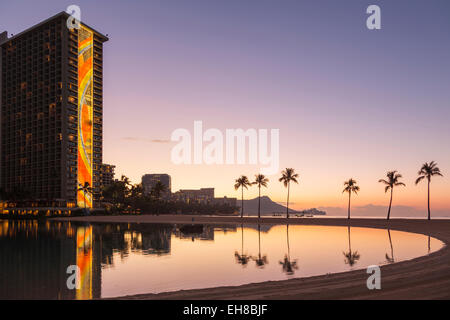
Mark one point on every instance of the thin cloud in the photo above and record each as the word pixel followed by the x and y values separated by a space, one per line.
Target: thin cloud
pixel 137 139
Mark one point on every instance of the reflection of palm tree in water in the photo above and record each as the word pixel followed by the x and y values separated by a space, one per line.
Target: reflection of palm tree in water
pixel 351 258
pixel 390 259
pixel 242 258
pixel 260 261
pixel 429 245
pixel 288 265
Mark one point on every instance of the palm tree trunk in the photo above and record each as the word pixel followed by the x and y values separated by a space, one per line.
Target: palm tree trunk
pixel 390 204
pixel 287 202
pixel 259 203
pixel 242 206
pixel 429 213
pixel 349 197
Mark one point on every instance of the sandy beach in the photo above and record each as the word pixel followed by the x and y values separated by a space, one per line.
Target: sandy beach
pixel 426 277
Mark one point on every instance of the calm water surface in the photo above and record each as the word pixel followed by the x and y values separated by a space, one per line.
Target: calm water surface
pixel 123 259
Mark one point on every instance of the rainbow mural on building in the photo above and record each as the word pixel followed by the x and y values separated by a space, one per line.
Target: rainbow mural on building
pixel 85 113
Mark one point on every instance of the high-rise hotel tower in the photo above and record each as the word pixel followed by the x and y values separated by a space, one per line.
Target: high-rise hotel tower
pixel 51 113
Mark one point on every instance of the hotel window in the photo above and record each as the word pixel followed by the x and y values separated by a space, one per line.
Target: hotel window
pixel 72 99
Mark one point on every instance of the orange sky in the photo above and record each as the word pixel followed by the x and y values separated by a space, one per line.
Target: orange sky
pixel 320 184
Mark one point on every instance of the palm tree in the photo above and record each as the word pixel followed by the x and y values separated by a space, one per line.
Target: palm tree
pixel 350 186
pixel 287 176
pixel 260 260
pixel 125 180
pixel 86 189
pixel 288 265
pixel 427 171
pixel 158 189
pixel 391 182
pixel 242 182
pixel 260 180
pixel 117 193
pixel 390 259
pixel 351 257
pixel 136 193
pixel 242 258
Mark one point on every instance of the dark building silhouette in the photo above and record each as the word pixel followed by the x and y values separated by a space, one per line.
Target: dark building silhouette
pixel 51 113
pixel 107 174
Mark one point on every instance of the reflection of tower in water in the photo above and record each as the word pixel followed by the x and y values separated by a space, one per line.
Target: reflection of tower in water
pixel 88 261
pixel 84 262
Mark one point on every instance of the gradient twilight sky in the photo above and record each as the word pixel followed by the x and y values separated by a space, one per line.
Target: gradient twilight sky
pixel 349 102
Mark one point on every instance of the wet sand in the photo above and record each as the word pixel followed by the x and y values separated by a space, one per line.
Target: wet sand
pixel 426 277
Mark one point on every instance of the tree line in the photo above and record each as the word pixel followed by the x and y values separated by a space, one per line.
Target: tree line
pixel 121 196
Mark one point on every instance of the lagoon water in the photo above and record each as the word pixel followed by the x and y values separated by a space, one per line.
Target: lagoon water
pixel 124 259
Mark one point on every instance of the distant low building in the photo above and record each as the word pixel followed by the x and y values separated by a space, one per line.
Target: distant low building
pixel 225 201
pixel 203 195
pixel 150 180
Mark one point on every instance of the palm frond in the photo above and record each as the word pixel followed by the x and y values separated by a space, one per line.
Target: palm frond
pixel 287 176
pixel 393 180
pixel 419 179
pixel 350 186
